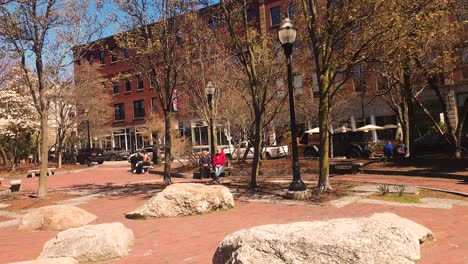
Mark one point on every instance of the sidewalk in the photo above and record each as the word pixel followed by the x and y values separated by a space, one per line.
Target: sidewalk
pixel 194 239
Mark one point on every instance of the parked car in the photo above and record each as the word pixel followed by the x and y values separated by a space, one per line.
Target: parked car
pixel 270 152
pixel 88 155
pixel 436 144
pixel 116 154
pixel 148 150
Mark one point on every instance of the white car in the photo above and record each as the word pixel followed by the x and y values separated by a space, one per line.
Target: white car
pixel 271 152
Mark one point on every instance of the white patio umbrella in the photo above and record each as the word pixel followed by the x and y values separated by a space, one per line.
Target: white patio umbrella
pixel 342 129
pixel 369 127
pixel 388 126
pixel 313 130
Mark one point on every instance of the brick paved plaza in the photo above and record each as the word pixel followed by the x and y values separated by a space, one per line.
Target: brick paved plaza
pixel 194 239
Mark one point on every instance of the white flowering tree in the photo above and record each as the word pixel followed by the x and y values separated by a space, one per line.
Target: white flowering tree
pixel 18 122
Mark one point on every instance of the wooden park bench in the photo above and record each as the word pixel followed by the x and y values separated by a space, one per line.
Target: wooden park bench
pixel 344 167
pixel 226 172
pixel 33 173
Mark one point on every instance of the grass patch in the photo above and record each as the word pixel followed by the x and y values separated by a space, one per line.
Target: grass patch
pixel 394 197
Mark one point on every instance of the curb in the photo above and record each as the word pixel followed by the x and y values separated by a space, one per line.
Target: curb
pixel 420 187
pixel 416 174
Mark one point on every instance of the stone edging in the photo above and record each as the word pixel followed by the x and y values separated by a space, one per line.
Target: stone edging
pixel 416 173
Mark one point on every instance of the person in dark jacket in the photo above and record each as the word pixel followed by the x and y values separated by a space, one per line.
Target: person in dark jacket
pixel 205 165
pixel 388 149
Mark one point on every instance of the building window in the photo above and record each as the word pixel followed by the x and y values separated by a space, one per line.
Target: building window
pixel 102 55
pixel 464 55
pixel 297 83
pixel 200 136
pixel 128 86
pixel 140 82
pixel 275 14
pixel 116 87
pixel 139 109
pixel 212 24
pixel 125 52
pixel 154 103
pixel 465 73
pixel 292 10
pixel 249 16
pixel 91 59
pixel 114 57
pixel 359 77
pixel 383 84
pixel 119 112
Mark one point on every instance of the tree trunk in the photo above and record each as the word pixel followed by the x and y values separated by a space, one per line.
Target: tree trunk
pixel 324 162
pixel 59 152
pixel 42 187
pixel 3 155
pixel 461 121
pixel 257 153
pixel 408 94
pixel 167 147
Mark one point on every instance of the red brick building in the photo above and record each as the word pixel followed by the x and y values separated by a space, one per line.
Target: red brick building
pixel 134 100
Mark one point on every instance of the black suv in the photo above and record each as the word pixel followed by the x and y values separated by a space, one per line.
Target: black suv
pixel 352 144
pixel 89 155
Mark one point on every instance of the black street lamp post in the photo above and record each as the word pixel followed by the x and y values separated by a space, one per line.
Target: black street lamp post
pixel 209 91
pixel 287 36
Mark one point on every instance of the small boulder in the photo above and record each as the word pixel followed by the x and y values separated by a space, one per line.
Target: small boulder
pixel 65 260
pixel 185 199
pixel 90 243
pixel 346 240
pixel 55 217
pixel 421 232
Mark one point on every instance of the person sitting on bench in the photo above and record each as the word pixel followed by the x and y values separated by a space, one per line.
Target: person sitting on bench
pixel 146 161
pixel 205 165
pixel 219 160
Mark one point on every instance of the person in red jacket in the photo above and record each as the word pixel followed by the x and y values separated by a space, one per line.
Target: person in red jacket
pixel 219 160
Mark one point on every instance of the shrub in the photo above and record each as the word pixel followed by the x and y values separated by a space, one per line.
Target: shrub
pixel 383 189
pixel 400 189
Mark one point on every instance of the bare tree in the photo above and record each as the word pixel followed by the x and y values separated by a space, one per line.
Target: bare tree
pixel 340 35
pixel 254 68
pixel 42 34
pixel 156 31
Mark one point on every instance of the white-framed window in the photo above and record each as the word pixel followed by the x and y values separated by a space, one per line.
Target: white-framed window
pixel 359 77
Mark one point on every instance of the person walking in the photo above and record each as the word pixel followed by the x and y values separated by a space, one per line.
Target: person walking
pixel 205 165
pixel 219 160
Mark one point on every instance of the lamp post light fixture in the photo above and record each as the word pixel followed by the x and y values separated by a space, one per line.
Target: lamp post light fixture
pixel 209 91
pixel 287 36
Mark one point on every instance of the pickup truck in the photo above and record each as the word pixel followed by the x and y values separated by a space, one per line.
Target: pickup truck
pixel 270 152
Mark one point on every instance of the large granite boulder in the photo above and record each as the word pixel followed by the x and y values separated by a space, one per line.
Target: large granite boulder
pixel 90 243
pixel 347 240
pixel 65 260
pixel 421 232
pixel 55 217
pixel 185 199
